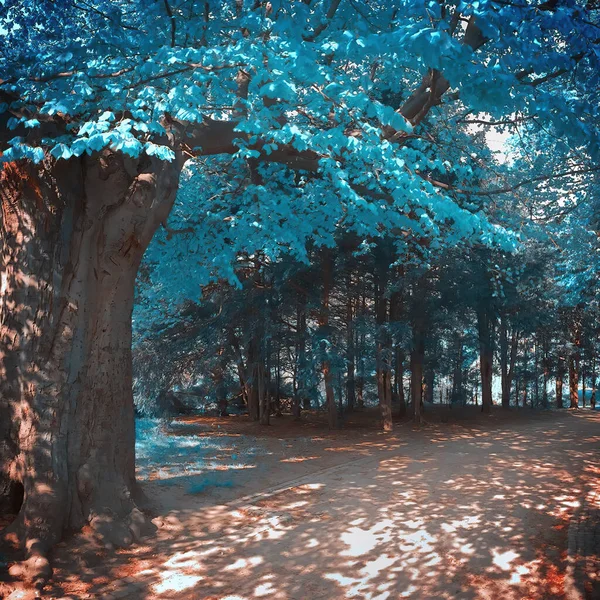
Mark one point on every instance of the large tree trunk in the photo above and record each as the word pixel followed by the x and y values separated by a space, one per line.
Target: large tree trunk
pixel 486 356
pixel 73 234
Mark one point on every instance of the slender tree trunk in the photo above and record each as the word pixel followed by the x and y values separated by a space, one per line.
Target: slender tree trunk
pixel 458 393
pixel 507 361
pixel 429 382
pixel 559 390
pixel 526 373
pixel 384 350
pixel 241 369
pixel 350 382
pixel 417 358
pixel 332 413
pixel 278 382
pixel 583 374
pixel 264 412
pixel 219 386
pixel 72 235
pixel 253 363
pixel 593 396
pixel 574 359
pixel 546 364
pixel 536 375
pixel 486 356
pixel 573 382
pixel 360 348
pixel 400 381
pixel 300 366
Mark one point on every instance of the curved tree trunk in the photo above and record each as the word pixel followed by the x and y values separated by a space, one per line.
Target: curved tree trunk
pixel 73 234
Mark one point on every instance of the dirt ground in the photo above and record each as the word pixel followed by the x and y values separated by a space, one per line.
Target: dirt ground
pixel 471 508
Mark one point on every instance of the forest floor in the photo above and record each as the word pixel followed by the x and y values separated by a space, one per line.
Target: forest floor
pixel 472 508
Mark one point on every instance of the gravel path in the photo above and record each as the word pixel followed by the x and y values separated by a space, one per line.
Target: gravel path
pixel 501 509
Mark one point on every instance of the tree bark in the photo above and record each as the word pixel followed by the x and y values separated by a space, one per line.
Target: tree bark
pixel 72 236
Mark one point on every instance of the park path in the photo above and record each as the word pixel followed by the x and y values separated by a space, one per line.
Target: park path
pixel 448 512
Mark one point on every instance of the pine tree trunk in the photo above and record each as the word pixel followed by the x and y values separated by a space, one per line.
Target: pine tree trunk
pixel 72 236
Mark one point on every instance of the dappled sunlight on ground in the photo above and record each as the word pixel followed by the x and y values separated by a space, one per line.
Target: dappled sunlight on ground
pixel 447 513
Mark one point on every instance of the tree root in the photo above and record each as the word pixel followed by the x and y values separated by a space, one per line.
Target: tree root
pixel 33 573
